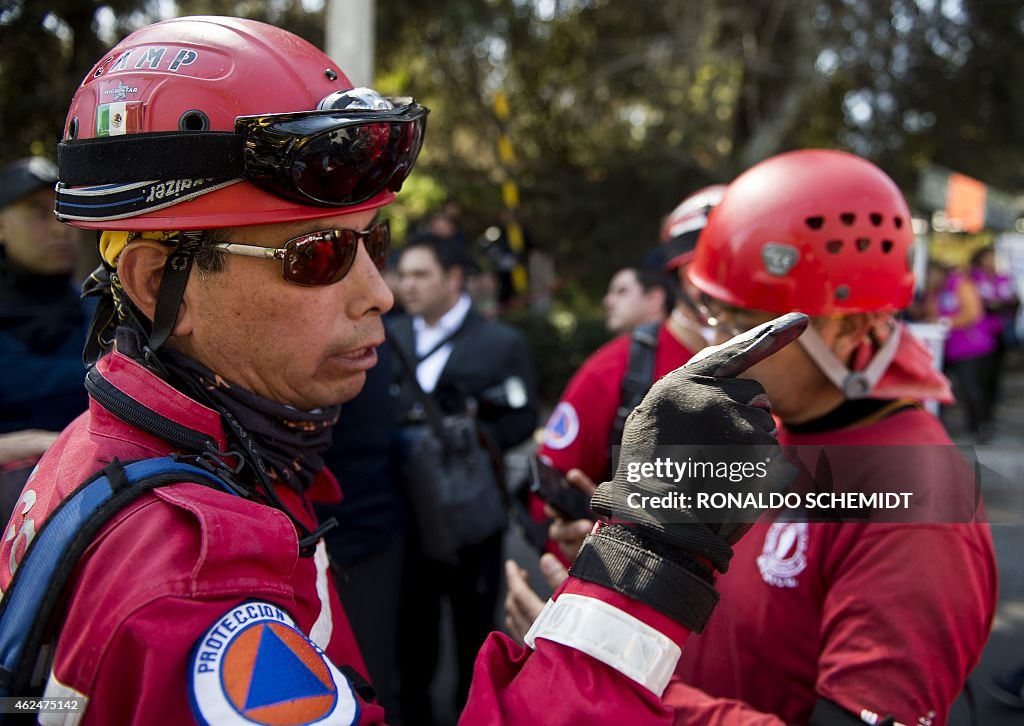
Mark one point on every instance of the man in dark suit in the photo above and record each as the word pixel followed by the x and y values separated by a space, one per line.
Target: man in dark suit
pixel 463 361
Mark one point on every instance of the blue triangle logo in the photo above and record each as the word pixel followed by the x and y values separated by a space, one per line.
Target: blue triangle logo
pixel 280 675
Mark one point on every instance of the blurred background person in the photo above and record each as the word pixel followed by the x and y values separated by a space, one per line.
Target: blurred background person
pixel 451 209
pixel 42 321
pixel 446 224
pixel 636 297
pixel 583 431
pixel 952 300
pixel 465 363
pixel 1001 306
pixel 483 287
pixel 588 419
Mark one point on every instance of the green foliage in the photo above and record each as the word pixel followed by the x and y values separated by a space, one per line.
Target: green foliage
pixel 421 194
pixel 45 50
pixel 559 343
pixel 619 109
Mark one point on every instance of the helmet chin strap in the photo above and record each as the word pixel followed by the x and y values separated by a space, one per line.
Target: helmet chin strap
pixel 706 332
pixel 172 287
pixel 852 384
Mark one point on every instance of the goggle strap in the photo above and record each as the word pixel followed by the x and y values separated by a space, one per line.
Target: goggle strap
pixel 172 287
pixel 154 155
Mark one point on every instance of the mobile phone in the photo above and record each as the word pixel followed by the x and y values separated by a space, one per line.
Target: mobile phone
pixel 748 349
pixel 550 484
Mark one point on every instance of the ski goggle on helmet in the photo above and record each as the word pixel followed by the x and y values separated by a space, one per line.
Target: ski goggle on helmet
pixel 207 122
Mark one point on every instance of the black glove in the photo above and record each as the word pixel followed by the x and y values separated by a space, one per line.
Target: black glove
pixel 697 413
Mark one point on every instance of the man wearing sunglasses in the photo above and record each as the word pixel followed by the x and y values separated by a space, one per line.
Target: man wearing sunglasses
pixel 233 177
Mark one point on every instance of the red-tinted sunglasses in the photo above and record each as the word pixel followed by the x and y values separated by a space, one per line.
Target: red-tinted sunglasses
pixel 320 258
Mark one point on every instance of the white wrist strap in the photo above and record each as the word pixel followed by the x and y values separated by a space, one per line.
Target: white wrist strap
pixel 616 638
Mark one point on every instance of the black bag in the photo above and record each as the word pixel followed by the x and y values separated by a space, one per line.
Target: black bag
pixel 450 475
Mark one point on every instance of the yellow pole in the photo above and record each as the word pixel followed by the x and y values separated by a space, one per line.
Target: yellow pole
pixel 510 194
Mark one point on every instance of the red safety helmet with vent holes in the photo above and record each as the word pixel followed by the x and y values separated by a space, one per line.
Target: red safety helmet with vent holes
pixel 200 75
pixel 815 231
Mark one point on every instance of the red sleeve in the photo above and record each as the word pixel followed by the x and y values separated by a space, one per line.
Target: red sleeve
pixel 576 434
pixel 556 684
pixel 156 580
pixel 144 676
pixel 139 656
pixel 693 706
pixel 898 593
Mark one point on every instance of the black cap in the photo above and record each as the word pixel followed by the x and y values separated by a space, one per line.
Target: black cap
pixel 25 176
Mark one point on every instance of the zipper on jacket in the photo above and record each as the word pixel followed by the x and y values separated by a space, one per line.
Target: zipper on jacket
pixel 135 414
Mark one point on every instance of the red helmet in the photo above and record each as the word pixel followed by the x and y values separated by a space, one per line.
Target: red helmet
pixel 198 75
pixel 683 225
pixel 814 231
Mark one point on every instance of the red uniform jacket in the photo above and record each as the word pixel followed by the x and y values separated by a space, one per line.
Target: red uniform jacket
pixel 172 566
pixel 880 618
pixel 193 605
pixel 579 429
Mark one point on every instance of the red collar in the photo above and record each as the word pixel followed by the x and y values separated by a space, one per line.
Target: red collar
pixel 151 392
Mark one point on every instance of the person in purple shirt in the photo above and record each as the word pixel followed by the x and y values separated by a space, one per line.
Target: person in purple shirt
pixel 952 300
pixel 999 297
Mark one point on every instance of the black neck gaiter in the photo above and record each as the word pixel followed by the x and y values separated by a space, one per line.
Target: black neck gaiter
pixel 290 441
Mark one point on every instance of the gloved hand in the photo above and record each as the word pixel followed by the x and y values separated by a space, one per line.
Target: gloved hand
pixel 701 413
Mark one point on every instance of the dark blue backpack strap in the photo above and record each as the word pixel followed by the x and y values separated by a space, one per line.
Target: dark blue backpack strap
pixel 39 582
